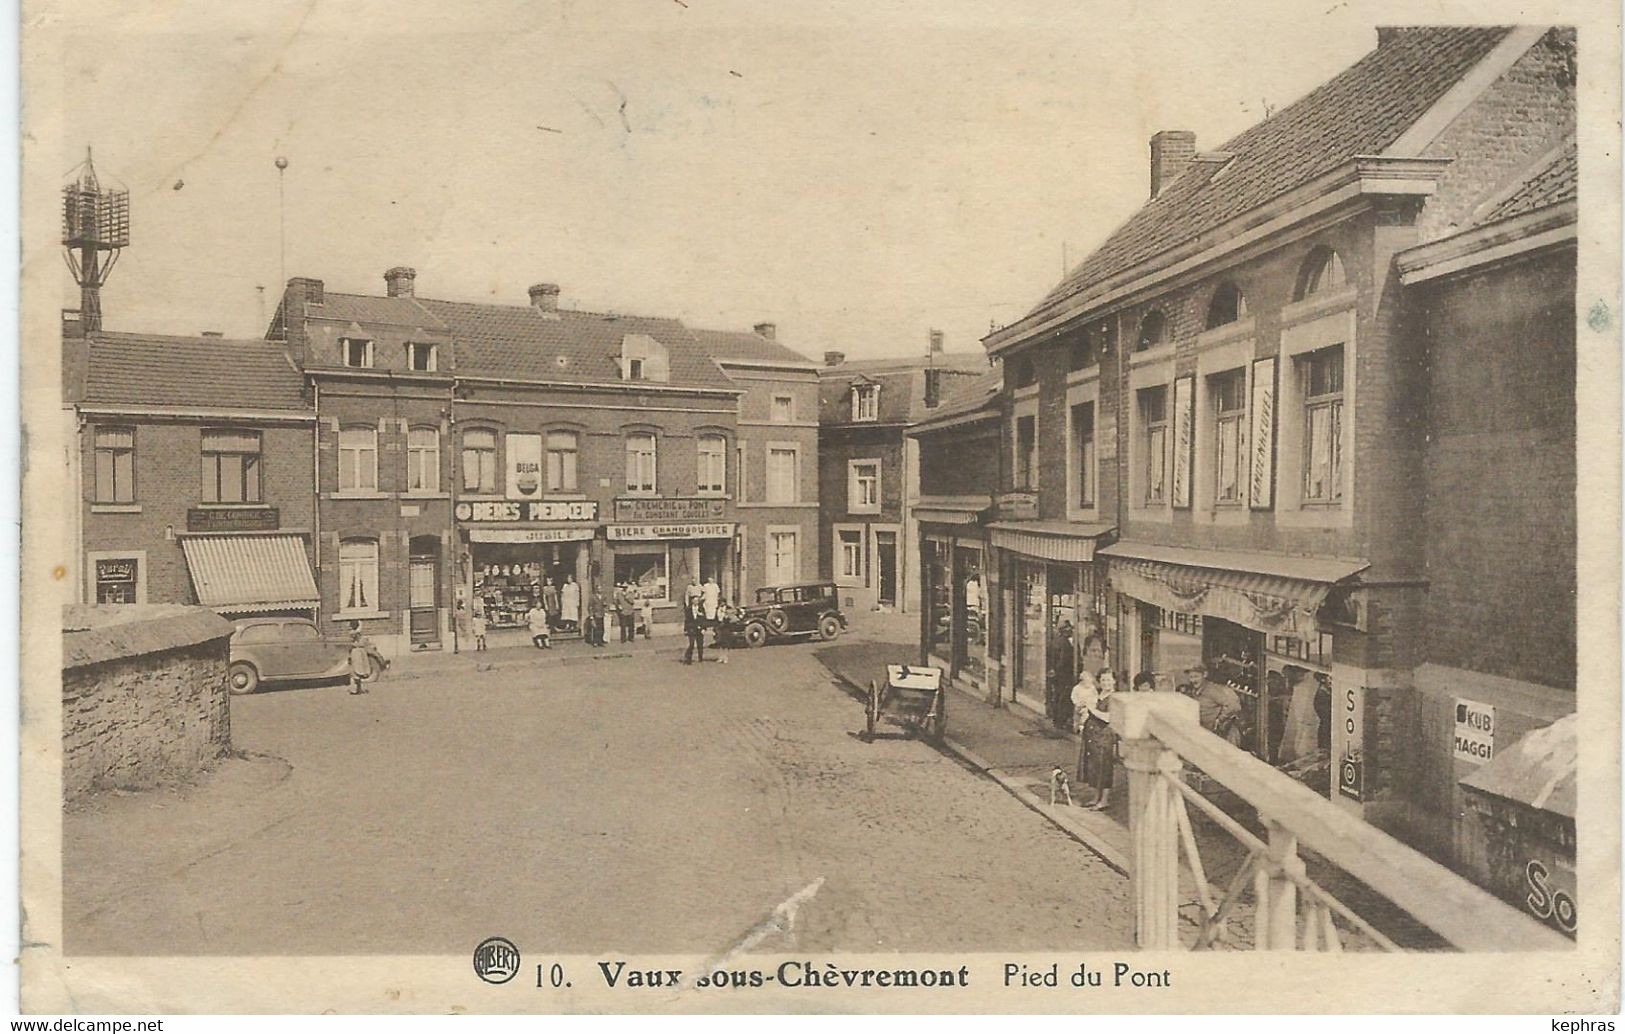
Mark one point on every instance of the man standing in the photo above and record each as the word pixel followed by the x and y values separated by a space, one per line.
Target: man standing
pixel 1062 674
pixel 627 608
pixel 595 617
pixel 694 628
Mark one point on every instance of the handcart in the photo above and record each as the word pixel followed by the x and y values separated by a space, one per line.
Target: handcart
pixel 912 697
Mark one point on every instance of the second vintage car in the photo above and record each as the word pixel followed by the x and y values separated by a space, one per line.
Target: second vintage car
pixel 785 612
pixel 273 649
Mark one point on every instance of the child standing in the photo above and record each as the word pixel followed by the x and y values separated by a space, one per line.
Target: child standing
pixel 360 659
pixel 477 626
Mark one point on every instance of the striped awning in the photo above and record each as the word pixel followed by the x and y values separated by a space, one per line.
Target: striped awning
pixel 1062 541
pixel 244 574
pixel 945 509
pixel 1267 592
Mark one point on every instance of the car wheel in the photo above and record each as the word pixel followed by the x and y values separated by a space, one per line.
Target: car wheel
pixel 755 634
pixel 778 622
pixel 829 627
pixel 243 679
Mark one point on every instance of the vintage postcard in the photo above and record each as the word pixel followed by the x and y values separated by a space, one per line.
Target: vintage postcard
pixel 712 506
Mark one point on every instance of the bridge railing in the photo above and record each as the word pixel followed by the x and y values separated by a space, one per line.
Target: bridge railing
pixel 1161 735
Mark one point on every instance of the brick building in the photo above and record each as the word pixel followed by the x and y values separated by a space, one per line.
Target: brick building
pixel 493 456
pixel 1251 428
pixel 868 470
pixel 193 460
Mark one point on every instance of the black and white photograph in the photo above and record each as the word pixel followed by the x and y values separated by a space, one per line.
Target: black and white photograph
pixel 654 506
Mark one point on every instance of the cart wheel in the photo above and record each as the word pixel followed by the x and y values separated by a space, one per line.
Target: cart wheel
pixel 869 708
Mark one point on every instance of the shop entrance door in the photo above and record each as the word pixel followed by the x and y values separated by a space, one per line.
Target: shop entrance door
pixel 423 592
pixel 886 566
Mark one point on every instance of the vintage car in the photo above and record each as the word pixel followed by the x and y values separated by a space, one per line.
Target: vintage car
pixel 275 649
pixel 783 612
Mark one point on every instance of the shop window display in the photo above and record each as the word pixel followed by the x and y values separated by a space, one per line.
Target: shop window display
pixel 940 595
pixel 970 601
pixel 646 571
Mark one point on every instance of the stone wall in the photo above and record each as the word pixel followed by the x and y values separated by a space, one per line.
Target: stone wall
pixel 143 701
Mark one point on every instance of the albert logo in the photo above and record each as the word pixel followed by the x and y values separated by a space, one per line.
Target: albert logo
pixel 496 960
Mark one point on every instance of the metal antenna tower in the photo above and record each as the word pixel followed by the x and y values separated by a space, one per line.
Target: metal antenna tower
pixel 95 222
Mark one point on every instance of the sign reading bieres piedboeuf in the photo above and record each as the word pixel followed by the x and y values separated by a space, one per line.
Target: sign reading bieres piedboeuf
pixel 259 518
pixel 691 508
pixel 528 511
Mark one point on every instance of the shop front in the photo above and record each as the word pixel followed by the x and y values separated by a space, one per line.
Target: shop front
pixel 1056 606
pixel 661 546
pixel 1252 621
pixel 518 554
pixel 958 592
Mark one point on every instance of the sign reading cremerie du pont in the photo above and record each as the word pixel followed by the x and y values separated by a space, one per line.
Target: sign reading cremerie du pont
pixel 693 508
pixel 529 510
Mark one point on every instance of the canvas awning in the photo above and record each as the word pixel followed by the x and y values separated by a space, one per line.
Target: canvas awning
pixel 1268 592
pixel 1062 541
pixel 951 509
pixel 250 573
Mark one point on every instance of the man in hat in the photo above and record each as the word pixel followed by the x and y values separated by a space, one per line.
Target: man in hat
pixel 1217 705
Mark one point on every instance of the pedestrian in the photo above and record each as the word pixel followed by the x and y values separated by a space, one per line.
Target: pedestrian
pixel 1298 739
pixel 626 611
pixel 476 624
pixel 1144 682
pixel 711 593
pixel 550 600
pixel 360 659
pixel 646 610
pixel 1097 745
pixel 570 604
pixel 595 617
pixel 540 634
pixel 1062 672
pixel 694 628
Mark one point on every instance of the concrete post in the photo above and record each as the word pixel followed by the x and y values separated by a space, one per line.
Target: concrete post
pixel 1277 919
pixel 1153 828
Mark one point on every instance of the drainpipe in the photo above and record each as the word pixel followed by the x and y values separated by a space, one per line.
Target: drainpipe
pixel 316 493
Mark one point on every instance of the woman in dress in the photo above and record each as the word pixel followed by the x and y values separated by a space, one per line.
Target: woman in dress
pixel 1097 747
pixel 570 604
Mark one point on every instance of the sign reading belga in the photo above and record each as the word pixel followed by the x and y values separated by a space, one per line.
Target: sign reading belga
pixel 530 510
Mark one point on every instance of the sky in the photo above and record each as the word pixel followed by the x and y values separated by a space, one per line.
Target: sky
pixel 855 172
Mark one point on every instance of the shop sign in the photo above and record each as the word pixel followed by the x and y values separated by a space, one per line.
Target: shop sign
pixel 121 569
pixel 535 510
pixel 259 518
pixel 1348 741
pixel 691 508
pixel 530 535
pixel 1184 440
pixel 1016 506
pixel 1474 738
pixel 524 465
pixel 648 532
pixel 1261 494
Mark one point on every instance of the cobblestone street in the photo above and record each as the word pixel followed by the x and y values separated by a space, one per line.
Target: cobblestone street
pixel 625 803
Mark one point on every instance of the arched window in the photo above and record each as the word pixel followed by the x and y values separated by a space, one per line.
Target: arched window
pixel 1153 330
pixel 1321 271
pixel 479 460
pixel 1023 371
pixel 713 464
pixel 1227 306
pixel 423 459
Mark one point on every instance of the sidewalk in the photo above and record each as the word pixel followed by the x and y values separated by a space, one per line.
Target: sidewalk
pixel 441 663
pixel 1018 749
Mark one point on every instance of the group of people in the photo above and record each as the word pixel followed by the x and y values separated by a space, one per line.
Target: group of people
pixel 1218 707
pixel 701 604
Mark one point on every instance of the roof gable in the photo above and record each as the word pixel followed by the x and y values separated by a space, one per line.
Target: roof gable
pixel 1358 112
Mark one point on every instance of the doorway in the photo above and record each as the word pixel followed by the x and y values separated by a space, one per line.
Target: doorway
pixel 423 591
pixel 886 567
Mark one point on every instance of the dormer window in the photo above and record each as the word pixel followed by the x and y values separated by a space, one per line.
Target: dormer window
pixel 865 402
pixel 356 352
pixel 644 359
pixel 420 356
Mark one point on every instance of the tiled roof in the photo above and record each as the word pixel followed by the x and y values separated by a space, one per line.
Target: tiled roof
pixel 369 308
pixel 522 342
pixel 197 372
pixel 902 388
pixel 1554 182
pixel 973 361
pixel 1359 112
pixel 744 345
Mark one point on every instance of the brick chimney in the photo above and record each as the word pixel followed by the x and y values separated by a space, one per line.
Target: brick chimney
pixel 1387 34
pixel 545 297
pixel 936 341
pixel 834 358
pixel 1172 151
pixel 767 330
pixel 399 281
